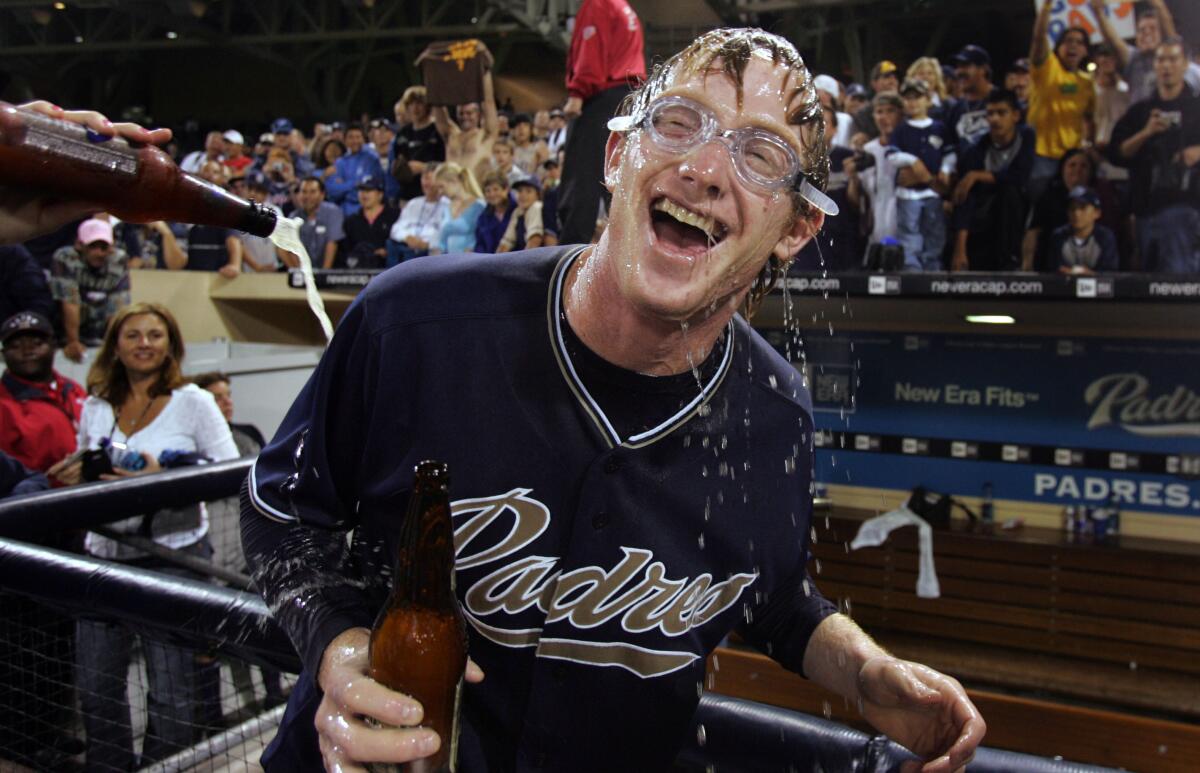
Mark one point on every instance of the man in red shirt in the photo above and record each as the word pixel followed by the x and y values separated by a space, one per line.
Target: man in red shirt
pixel 39 408
pixel 606 60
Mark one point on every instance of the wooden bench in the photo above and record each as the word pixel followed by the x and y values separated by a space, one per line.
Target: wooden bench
pixel 1089 651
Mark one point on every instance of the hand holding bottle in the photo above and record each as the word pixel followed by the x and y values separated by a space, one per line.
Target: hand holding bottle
pixel 24 215
pixel 349 694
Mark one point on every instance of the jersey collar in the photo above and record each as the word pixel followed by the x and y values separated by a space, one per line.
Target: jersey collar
pixel 588 403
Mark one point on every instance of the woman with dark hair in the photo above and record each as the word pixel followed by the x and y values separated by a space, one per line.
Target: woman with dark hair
pixel 1076 169
pixel 326 154
pixel 141 416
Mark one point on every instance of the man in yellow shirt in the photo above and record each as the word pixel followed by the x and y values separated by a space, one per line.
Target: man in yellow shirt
pixel 1062 97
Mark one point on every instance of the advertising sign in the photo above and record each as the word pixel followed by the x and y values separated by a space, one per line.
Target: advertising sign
pixel 1060 421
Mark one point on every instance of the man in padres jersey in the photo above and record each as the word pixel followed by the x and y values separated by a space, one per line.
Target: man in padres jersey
pixel 630 461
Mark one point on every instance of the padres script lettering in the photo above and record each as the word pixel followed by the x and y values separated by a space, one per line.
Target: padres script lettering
pixel 636 590
pixel 1125 399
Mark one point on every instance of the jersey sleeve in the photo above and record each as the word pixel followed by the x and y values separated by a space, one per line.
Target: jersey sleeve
pixel 586 71
pixel 298 505
pixel 783 624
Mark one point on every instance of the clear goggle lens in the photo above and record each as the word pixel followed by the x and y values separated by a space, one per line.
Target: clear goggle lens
pixel 763 160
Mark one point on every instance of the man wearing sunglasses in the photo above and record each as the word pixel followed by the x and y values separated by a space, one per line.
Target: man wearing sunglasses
pixel 631 461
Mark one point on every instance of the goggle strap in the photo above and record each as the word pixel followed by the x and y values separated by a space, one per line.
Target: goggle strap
pixel 623 123
pixel 817 198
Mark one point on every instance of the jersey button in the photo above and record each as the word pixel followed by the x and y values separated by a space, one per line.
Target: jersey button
pixel 600 519
pixel 613 464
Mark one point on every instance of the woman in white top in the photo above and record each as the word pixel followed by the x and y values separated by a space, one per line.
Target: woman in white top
pixel 144 416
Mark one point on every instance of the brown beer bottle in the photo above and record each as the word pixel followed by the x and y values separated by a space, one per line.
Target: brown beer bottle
pixel 419 642
pixel 137 183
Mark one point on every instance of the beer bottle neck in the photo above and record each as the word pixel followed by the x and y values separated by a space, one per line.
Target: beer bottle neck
pixel 424 574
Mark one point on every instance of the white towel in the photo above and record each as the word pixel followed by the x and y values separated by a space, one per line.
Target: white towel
pixel 875 531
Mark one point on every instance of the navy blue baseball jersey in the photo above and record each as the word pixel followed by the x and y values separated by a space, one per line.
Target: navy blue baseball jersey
pixel 597 565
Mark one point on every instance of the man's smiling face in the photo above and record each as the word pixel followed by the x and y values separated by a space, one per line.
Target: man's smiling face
pixel 686 232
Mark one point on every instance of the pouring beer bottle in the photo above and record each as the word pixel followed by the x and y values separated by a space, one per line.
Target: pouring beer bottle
pixel 137 183
pixel 419 641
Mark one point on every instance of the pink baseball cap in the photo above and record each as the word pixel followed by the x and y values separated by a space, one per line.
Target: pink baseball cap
pixel 95 231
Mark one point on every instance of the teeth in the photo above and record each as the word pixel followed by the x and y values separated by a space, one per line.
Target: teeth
pixel 706 224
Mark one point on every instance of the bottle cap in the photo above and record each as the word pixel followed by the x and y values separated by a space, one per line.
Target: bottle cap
pixel 259 220
pixel 434 471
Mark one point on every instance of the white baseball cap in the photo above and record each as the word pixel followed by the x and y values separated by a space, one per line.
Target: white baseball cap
pixel 828 84
pixel 234 136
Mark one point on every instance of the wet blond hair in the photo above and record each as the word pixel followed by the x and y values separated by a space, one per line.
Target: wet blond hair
pixel 727 52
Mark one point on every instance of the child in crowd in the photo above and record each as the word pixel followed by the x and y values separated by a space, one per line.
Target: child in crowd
pixel 1083 246
pixel 917 144
pixel 525 230
pixel 493 223
pixel 502 161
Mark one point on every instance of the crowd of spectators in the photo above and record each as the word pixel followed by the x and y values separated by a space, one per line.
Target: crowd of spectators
pixel 1077 159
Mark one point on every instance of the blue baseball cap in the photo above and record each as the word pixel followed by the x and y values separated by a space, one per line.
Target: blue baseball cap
pixel 282 126
pixel 1081 194
pixel 973 54
pixel 371 182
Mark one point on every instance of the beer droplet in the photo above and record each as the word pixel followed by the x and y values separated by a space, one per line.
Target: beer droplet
pixel 701 735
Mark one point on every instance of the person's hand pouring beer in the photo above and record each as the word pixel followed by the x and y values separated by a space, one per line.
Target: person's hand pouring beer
pixel 24 215
pixel 351 698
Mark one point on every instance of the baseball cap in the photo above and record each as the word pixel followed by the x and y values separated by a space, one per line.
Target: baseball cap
pixel 267 137
pixel 234 136
pixel 25 322
pixel 556 113
pixel 95 231
pixel 915 84
pixel 281 126
pixel 370 183
pixel 856 90
pixel 886 67
pixel 257 180
pixel 1081 194
pixel 973 54
pixel 888 98
pixel 1020 65
pixel 528 182
pixel 828 84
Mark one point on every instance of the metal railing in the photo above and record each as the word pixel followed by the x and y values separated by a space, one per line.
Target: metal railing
pixel 728 733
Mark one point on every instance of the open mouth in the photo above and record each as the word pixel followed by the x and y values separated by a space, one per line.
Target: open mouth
pixel 684 231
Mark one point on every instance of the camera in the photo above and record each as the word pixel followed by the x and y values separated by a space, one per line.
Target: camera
pixel 96 462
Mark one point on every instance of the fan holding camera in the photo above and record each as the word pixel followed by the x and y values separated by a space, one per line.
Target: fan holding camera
pixel 140 417
pixel 1158 139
